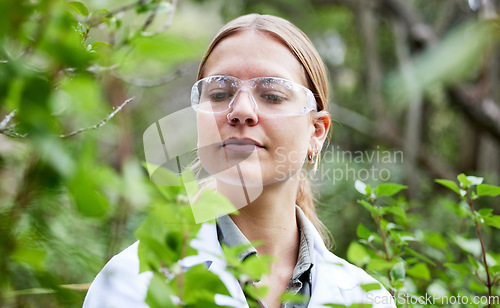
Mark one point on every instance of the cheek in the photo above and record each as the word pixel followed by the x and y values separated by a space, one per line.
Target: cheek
pixel 290 139
pixel 208 129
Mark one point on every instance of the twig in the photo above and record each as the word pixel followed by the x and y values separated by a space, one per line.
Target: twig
pixel 109 117
pixel 151 17
pixel 375 250
pixel 113 12
pixel 7 130
pixel 6 120
pixel 384 239
pixel 166 25
pixel 478 231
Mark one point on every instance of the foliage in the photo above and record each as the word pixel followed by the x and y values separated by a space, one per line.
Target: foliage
pixel 69 200
pixel 405 271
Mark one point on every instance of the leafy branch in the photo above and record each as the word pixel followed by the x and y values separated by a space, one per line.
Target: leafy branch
pixel 480 218
pixel 390 240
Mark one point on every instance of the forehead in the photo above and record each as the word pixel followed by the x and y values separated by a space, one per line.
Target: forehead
pixel 250 54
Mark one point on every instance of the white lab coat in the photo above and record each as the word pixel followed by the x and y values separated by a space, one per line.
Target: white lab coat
pixel 334 280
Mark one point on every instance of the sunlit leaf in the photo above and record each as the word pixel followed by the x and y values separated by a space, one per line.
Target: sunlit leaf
pixel 475 180
pixel 449 184
pixel 419 270
pixel 389 189
pixel 201 285
pixel 210 205
pixel 493 221
pixel 463 180
pixel 79 8
pixel 159 293
pixel 398 272
pixel 293 298
pixel 363 232
pixel 472 246
pixel 419 256
pixel 488 190
pixel 357 254
pixel 360 187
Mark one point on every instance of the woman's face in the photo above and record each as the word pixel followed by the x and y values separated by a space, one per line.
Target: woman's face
pixel 255 148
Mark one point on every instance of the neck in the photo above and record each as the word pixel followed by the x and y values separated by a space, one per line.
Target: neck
pixel 269 216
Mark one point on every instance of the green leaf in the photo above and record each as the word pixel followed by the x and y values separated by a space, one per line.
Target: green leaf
pixel 436 240
pixel 464 182
pixel 419 270
pixel 373 210
pixel 419 256
pixel 478 287
pixel 363 232
pixel 473 261
pixel 494 269
pixel 290 297
pixel 255 266
pixel 380 265
pixel 199 284
pixel 210 205
pixel 79 8
pixel 256 292
pixel 389 189
pixel 232 254
pixel 488 190
pixel 472 246
pixel 397 211
pixel 459 267
pixel 370 287
pixel 485 212
pixel 357 254
pixel 492 221
pixel 89 198
pixel 159 292
pixel 30 252
pixel 450 185
pixel 398 272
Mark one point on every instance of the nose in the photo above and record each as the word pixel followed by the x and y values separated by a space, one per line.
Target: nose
pixel 243 109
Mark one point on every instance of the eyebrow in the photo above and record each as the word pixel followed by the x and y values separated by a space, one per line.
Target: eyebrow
pixel 263 76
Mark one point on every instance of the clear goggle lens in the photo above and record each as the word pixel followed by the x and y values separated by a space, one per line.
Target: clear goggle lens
pixel 270 95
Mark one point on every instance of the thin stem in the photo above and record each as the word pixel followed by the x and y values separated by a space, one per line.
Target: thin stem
pixel 382 233
pixel 109 117
pixel 478 231
pixel 377 251
pixel 185 243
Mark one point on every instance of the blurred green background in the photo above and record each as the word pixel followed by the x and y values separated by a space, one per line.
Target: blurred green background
pixel 415 97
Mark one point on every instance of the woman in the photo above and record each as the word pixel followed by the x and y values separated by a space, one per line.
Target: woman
pixel 261 100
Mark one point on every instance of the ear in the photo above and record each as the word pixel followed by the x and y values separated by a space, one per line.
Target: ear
pixel 321 122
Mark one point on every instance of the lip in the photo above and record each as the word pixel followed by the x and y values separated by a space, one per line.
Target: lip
pixel 244 146
pixel 241 141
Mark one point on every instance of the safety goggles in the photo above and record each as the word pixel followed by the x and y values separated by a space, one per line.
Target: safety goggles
pixel 270 95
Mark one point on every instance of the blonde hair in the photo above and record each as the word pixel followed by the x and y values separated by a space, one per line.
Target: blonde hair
pixel 302 48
